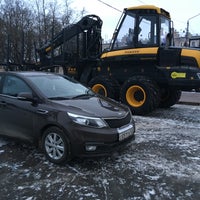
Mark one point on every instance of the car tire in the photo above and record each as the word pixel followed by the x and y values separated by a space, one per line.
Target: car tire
pixel 105 86
pixel 140 94
pixel 55 145
pixel 169 97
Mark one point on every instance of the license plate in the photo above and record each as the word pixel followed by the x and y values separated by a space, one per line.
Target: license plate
pixel 125 132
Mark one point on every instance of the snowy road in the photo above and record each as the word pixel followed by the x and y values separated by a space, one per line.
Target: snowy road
pixel 162 163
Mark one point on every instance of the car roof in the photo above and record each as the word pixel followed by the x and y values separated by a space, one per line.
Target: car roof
pixel 27 73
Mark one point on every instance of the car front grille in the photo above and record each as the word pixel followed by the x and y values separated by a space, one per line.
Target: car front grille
pixel 116 123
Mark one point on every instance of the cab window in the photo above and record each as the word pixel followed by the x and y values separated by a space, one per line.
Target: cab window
pixel 147 34
pixel 137 31
pixel 164 30
pixel 125 37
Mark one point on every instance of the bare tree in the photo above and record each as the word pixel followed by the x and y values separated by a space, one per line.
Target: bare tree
pixel 24 28
pixel 16 20
pixel 69 15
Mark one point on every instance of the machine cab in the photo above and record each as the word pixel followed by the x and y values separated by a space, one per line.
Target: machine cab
pixel 142 26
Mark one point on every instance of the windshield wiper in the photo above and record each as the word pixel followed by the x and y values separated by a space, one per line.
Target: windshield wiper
pixel 58 98
pixel 87 94
pixel 80 95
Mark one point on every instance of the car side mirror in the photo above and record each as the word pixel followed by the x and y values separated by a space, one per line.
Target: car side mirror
pixel 25 96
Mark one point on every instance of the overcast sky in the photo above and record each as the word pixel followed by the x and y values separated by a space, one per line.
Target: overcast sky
pixel 180 10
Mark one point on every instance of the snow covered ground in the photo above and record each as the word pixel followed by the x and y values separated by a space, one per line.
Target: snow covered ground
pixel 162 163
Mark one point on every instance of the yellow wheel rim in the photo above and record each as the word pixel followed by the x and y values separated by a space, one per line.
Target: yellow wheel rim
pixel 135 96
pixel 100 89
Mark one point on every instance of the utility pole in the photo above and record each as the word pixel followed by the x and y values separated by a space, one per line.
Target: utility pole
pixel 187 30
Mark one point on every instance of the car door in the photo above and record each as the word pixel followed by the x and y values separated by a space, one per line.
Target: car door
pixel 16 116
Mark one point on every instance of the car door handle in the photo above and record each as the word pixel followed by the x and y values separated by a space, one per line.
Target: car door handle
pixel 41 111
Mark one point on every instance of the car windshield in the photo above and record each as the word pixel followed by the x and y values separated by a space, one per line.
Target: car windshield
pixel 57 87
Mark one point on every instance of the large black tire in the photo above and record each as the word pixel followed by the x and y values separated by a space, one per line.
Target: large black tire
pixel 197 90
pixel 105 86
pixel 55 145
pixel 169 97
pixel 140 94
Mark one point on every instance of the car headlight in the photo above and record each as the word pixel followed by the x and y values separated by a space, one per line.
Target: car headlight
pixel 87 121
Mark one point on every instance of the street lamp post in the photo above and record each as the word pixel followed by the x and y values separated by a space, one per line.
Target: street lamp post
pixel 187 30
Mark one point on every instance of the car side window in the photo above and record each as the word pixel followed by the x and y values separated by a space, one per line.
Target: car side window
pixel 0 79
pixel 14 85
pixel 0 82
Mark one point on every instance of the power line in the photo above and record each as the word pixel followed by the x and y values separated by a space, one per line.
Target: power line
pixel 110 6
pixel 141 1
pixel 114 7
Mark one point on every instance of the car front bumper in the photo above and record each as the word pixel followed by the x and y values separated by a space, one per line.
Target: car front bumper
pixel 92 142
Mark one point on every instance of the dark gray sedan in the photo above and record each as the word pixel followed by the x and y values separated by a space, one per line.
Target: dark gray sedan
pixel 66 118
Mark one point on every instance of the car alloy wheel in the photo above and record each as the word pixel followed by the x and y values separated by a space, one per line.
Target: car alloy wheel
pixel 55 145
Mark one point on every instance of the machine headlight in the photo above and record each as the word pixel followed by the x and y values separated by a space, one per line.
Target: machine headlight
pixel 87 121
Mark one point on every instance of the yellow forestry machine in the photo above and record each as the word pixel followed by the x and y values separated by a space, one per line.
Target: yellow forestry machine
pixel 142 68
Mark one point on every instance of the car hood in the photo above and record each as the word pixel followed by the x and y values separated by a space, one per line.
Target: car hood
pixel 94 106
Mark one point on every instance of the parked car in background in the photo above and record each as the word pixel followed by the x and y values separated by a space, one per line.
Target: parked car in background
pixel 65 117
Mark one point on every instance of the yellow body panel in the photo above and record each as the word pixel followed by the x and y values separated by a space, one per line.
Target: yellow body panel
pixel 151 7
pixel 193 53
pixel 124 52
pixel 147 7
